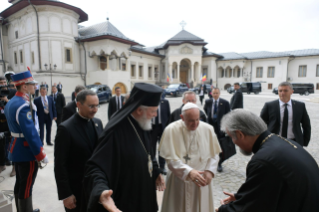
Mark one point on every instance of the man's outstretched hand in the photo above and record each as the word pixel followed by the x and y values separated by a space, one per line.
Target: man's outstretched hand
pixel 107 201
pixel 229 199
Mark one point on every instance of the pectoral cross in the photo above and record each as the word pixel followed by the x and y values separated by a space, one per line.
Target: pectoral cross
pixel 186 158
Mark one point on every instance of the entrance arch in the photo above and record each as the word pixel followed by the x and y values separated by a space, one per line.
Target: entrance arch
pixel 185 67
pixel 121 85
pixel 227 86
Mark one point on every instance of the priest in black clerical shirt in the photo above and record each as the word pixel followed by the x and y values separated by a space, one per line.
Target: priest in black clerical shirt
pixel 75 142
pixel 122 174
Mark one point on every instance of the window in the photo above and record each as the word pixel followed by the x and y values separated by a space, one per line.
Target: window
pixel 317 86
pixel 236 72
pixel 317 72
pixel 302 71
pixel 132 70
pixel 228 73
pixel 15 58
pixel 123 67
pixel 269 85
pixel 68 55
pixel 150 72
pixel 140 71
pixel 103 63
pixel 17 34
pixel 32 57
pixel 156 73
pixel 21 56
pixel 271 72
pixel 205 72
pixel 222 73
pixel 259 72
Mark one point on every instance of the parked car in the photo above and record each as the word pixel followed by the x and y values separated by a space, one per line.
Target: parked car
pixel 250 87
pixel 231 89
pixel 176 89
pixel 301 88
pixel 103 92
pixel 196 88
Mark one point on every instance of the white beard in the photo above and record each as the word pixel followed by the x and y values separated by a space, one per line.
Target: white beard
pixel 145 124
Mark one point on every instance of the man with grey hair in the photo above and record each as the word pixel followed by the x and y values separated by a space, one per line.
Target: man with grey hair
pixel 191 150
pixel 70 109
pixel 188 96
pixel 122 174
pixel 281 176
pixel 287 117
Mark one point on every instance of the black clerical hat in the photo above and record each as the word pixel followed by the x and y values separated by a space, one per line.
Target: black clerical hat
pixel 141 94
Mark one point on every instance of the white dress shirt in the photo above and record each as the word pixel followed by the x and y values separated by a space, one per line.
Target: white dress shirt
pixel 118 100
pixel 290 133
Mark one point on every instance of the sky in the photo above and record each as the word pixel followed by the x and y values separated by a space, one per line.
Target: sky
pixel 227 26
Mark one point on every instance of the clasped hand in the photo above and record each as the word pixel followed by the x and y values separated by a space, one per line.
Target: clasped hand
pixel 201 178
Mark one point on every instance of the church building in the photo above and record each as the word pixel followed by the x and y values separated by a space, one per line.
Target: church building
pixel 47 36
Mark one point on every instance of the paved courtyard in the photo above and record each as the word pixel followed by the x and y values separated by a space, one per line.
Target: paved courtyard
pixel 45 193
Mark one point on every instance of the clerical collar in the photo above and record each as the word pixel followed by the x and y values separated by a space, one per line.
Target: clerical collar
pixel 257 143
pixel 88 120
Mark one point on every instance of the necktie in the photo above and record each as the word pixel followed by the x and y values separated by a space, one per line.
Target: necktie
pixel 118 103
pixel 285 123
pixel 215 107
pixel 46 106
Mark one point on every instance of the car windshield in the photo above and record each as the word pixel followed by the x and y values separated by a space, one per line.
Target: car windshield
pixel 173 86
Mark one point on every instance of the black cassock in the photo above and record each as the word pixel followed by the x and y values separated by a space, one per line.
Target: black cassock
pixel 280 178
pixel 120 163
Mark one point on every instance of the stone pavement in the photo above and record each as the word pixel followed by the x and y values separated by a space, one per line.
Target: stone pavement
pixel 45 194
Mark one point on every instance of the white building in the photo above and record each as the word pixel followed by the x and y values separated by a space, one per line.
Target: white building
pixel 46 36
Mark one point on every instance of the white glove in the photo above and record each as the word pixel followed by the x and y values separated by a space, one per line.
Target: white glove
pixel 45 160
pixel 1 135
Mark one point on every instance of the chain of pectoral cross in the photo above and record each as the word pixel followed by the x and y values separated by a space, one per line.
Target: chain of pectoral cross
pixel 186 157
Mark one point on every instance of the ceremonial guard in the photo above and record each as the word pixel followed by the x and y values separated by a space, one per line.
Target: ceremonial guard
pixel 26 149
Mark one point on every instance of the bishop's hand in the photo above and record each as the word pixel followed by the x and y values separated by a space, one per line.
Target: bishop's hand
pixel 208 176
pixel 107 201
pixel 229 199
pixel 197 178
pixel 160 183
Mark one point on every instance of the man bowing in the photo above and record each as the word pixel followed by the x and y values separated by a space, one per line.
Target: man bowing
pixel 191 150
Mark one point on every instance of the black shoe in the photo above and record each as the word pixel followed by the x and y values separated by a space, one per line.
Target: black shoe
pixel 50 144
pixel 8 163
pixel 219 168
pixel 163 171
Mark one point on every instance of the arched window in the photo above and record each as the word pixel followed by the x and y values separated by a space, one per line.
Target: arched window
pixel 103 63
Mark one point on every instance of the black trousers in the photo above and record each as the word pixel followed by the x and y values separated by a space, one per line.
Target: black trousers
pixel 48 125
pixel 26 172
pixel 156 135
pixel 58 119
pixel 201 99
pixel 218 134
pixel 4 144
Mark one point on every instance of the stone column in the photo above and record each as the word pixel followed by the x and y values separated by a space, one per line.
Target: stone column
pixel 192 74
pixel 170 71
pixel 199 74
pixel 178 73
pixel 107 62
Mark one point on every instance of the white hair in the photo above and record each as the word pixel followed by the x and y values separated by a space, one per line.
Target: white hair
pixel 243 120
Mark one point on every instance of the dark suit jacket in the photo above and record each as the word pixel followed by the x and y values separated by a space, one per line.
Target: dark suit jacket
pixel 59 103
pixel 112 106
pixel 72 149
pixel 165 112
pixel 204 89
pixel 222 109
pixel 69 110
pixel 271 115
pixel 237 100
pixel 40 109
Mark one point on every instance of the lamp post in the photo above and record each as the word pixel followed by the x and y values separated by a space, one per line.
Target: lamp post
pixel 50 69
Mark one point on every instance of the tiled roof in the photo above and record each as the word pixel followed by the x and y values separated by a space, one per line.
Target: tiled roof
pixel 266 54
pixel 149 50
pixel 104 28
pixel 185 36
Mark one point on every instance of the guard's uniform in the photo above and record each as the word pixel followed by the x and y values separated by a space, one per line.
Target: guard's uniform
pixel 26 147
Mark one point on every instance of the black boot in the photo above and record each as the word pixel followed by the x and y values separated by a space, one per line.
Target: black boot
pixel 25 205
pixel 16 201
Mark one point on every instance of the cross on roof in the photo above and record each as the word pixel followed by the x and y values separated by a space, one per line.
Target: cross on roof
pixel 183 24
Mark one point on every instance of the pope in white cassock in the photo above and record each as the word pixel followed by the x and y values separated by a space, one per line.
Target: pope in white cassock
pixel 190 148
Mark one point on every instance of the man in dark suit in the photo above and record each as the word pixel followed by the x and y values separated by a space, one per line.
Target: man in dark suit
pixel 237 99
pixel 59 102
pixel 70 109
pixel 75 142
pixel 188 96
pixel 46 113
pixel 201 92
pixel 59 87
pixel 215 109
pixel 46 85
pixel 116 102
pixel 158 125
pixel 284 116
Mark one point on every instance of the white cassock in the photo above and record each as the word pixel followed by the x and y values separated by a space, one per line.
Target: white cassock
pixel 181 194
